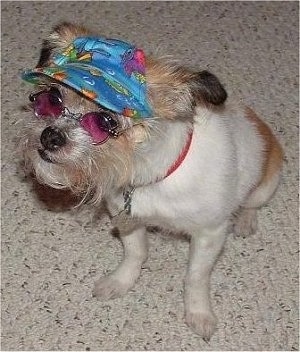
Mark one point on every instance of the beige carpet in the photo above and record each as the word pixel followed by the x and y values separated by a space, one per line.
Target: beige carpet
pixel 51 257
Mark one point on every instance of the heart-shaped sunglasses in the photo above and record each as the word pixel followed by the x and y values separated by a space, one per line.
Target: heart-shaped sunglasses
pixel 100 125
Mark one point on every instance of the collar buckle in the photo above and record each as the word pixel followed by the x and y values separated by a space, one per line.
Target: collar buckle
pixel 127 195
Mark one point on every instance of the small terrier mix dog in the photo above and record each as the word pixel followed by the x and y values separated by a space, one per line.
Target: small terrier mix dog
pixel 158 143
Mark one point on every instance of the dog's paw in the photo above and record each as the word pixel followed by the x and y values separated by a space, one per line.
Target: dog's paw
pixel 246 223
pixel 203 324
pixel 109 287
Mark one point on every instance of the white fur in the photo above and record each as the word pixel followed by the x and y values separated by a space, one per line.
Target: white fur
pixel 223 165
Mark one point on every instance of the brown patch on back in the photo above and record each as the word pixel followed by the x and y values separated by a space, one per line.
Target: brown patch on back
pixel 273 150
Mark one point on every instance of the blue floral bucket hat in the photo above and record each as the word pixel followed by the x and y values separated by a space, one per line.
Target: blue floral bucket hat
pixel 108 71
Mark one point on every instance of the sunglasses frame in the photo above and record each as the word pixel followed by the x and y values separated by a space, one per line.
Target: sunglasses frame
pixel 111 125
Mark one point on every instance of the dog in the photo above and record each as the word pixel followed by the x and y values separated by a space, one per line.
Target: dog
pixel 159 143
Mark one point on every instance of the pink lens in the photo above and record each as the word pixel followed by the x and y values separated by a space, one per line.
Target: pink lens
pixel 95 126
pixel 47 104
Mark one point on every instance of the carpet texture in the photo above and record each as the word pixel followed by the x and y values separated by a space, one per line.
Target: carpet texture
pixel 51 255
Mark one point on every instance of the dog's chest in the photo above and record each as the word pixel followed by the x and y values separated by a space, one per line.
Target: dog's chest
pixel 179 209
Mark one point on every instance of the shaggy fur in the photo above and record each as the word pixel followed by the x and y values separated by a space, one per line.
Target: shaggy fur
pixel 232 166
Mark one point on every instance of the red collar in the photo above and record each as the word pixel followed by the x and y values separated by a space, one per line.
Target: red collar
pixel 181 156
pixel 128 192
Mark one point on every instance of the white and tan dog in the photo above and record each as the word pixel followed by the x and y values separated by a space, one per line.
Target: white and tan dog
pixel 188 169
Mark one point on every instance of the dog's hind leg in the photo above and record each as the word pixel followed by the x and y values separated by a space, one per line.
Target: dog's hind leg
pixel 205 247
pixel 123 278
pixel 245 222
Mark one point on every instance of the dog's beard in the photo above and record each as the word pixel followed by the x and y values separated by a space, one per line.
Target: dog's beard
pixel 88 170
pixel 94 171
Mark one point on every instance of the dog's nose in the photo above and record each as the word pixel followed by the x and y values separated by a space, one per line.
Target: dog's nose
pixel 52 138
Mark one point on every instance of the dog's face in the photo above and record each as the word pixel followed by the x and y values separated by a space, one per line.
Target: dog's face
pixel 64 147
pixel 61 150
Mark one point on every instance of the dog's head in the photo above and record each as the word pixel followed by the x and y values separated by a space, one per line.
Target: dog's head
pixel 73 140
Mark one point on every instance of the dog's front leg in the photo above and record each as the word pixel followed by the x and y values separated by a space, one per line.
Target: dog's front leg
pixel 205 246
pixel 123 278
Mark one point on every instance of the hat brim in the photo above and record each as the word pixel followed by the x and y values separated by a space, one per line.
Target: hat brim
pixel 95 85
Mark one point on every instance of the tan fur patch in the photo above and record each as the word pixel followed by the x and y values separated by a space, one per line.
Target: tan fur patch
pixel 65 33
pixel 169 92
pixel 273 150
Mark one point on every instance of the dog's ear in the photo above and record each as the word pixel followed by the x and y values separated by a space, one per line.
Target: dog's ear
pixel 174 91
pixel 66 32
pixel 45 54
pixel 168 89
pixel 207 89
pixel 61 36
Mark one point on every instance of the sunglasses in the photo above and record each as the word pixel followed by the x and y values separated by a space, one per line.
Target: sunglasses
pixel 100 125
